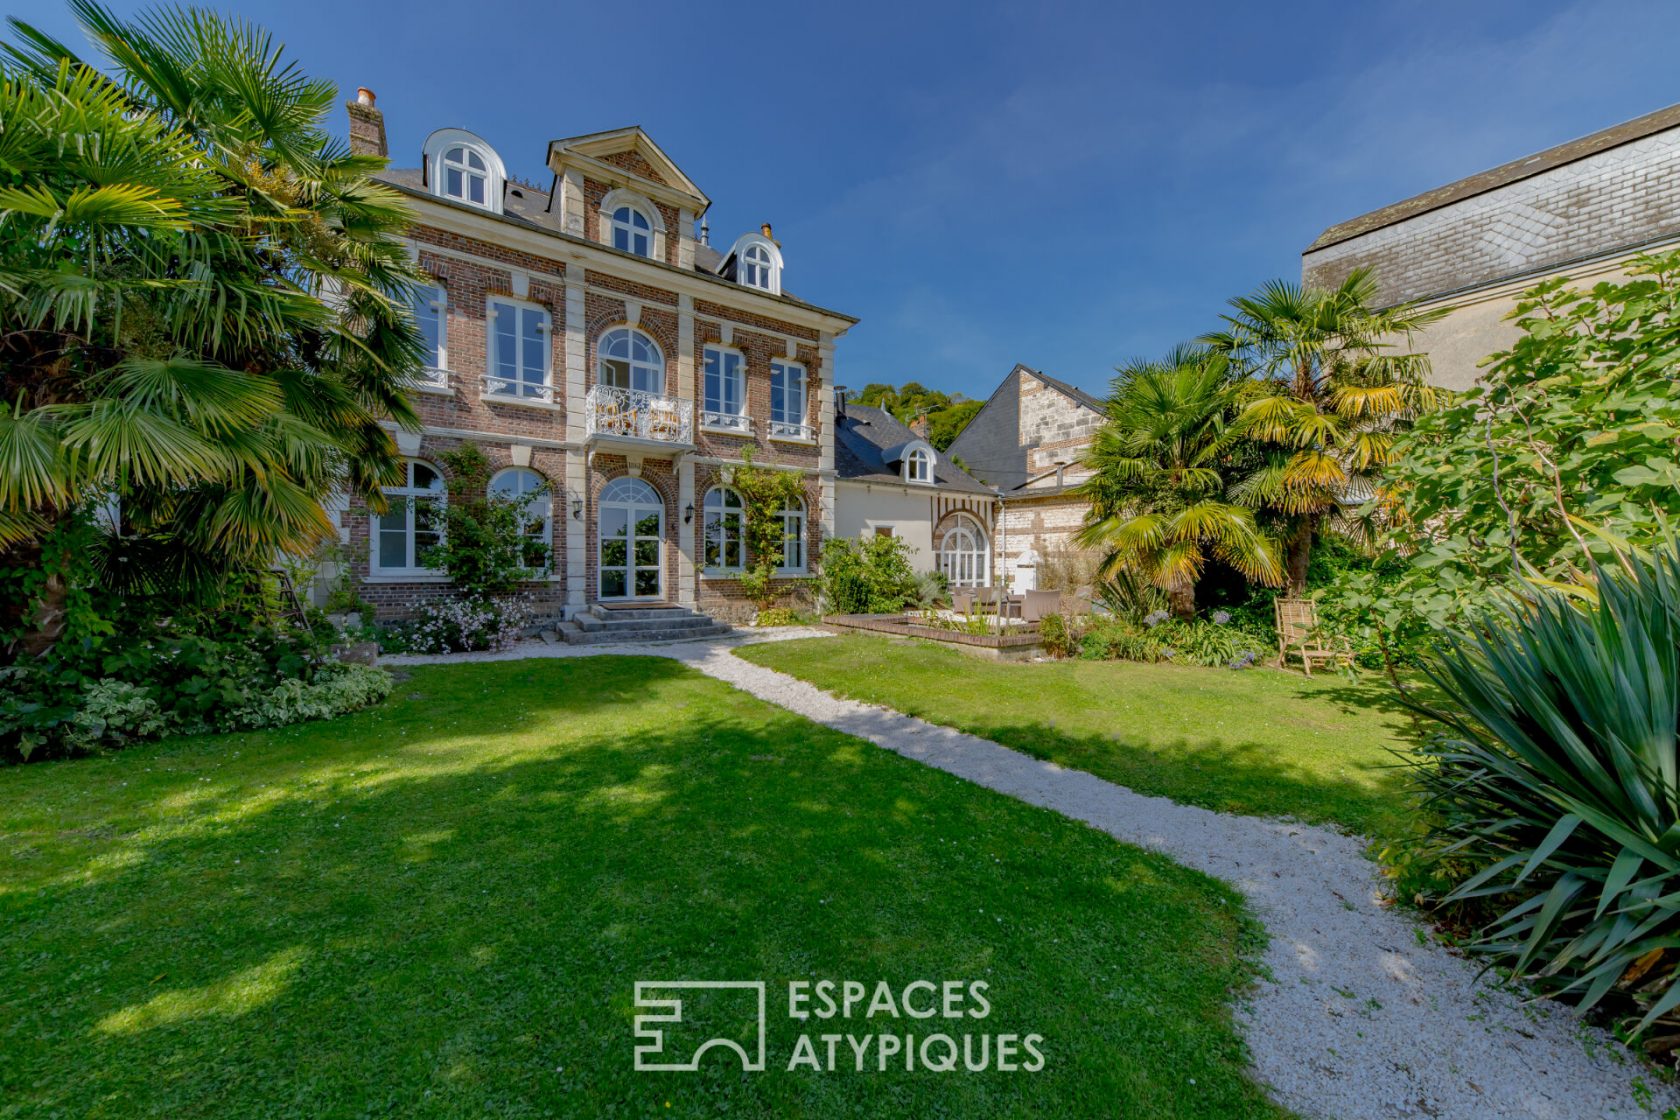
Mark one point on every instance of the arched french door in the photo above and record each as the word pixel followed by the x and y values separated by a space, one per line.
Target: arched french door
pixel 631 541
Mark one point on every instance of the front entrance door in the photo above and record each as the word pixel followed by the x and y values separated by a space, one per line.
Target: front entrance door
pixel 632 534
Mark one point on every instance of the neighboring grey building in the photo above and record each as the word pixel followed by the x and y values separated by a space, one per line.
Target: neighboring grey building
pixel 1580 210
pixel 892 482
pixel 1029 440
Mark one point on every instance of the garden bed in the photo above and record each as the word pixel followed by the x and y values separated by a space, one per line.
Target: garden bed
pixel 1016 646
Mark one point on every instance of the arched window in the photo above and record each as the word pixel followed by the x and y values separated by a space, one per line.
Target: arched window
pixel 466 175
pixel 918 465
pixel 793 537
pixel 462 166
pixel 963 554
pixel 530 490
pixel 755 267
pixel 412 524
pixel 631 360
pixel 758 263
pixel 725 549
pixel 632 231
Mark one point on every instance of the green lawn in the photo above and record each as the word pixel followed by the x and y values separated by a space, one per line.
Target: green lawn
pixel 441 907
pixel 1258 741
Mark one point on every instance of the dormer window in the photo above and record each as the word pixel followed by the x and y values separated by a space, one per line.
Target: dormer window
pixel 632 232
pixel 918 465
pixel 463 167
pixel 465 175
pixel 757 263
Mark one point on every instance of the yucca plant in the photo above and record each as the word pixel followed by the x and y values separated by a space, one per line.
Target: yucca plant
pixel 1558 780
pixel 203 307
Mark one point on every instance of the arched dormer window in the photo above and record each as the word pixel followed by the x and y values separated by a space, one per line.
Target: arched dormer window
pixel 758 263
pixel 918 465
pixel 463 167
pixel 632 224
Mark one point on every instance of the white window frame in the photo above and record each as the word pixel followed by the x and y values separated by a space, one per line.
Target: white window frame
pixel 951 561
pixel 543 503
pixel 619 198
pixel 724 512
pixel 624 222
pixel 770 266
pixel 793 533
pixel 790 423
pixel 436 154
pixel 435 298
pixel 922 455
pixel 656 366
pixel 411 494
pixel 527 391
pixel 719 418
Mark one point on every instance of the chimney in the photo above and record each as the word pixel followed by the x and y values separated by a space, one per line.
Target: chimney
pixel 919 425
pixel 765 230
pixel 367 125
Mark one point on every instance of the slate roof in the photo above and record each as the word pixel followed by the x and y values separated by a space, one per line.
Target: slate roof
pixel 865 438
pixel 1503 175
pixel 528 206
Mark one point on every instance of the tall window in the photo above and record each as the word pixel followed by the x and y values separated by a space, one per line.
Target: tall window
pixel 725 404
pixel 793 537
pixel 963 554
pixel 528 488
pixel 918 465
pixel 431 316
pixel 755 268
pixel 631 360
pixel 466 175
pixel 787 399
pixel 412 524
pixel 725 550
pixel 632 232
pixel 518 351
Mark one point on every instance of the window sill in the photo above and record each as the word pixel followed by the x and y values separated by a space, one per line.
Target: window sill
pixel 520 402
pixel 791 575
pixel 435 390
pixel 802 441
pixel 722 573
pixel 418 576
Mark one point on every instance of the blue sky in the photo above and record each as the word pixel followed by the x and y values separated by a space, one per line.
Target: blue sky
pixel 1066 185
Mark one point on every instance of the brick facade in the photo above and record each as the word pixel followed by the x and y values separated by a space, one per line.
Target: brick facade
pixel 588 289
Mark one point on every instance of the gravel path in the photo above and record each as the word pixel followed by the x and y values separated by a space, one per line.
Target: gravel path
pixel 1360 1016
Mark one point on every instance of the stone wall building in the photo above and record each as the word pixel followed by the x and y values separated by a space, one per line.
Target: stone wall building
pixel 1029 442
pixel 607 358
pixel 1579 210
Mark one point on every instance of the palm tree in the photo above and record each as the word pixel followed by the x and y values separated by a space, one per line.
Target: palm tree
pixel 1336 390
pixel 1157 505
pixel 203 307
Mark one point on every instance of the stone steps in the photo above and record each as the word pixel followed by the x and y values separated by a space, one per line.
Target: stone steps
pixel 655 623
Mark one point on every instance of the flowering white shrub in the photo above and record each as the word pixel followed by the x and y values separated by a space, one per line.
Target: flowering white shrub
pixel 334 691
pixel 469 625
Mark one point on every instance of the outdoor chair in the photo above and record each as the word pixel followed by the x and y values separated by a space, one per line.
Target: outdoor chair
pixel 1297 627
pixel 962 600
pixel 1037 604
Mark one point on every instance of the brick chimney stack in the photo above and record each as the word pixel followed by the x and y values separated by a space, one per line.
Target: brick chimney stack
pixel 920 425
pixel 765 230
pixel 367 125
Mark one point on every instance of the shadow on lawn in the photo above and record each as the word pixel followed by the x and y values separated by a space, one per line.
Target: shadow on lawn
pixel 442 906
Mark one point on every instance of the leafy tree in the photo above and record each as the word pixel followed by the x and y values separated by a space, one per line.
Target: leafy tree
pixel 765 492
pixel 947 415
pixel 487 548
pixel 1566 446
pixel 1158 506
pixel 1338 391
pixel 202 307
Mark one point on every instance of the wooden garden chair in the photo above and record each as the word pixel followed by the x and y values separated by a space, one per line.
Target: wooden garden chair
pixel 1298 636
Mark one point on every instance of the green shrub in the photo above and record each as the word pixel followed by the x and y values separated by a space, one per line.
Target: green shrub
pixel 334 691
pixel 777 616
pixel 1059 634
pixel 1202 642
pixel 1558 785
pixel 869 576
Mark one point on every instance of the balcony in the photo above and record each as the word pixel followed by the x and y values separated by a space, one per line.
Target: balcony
pixel 634 417
pixel 792 430
pixel 431 379
pixel 733 423
pixel 507 390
